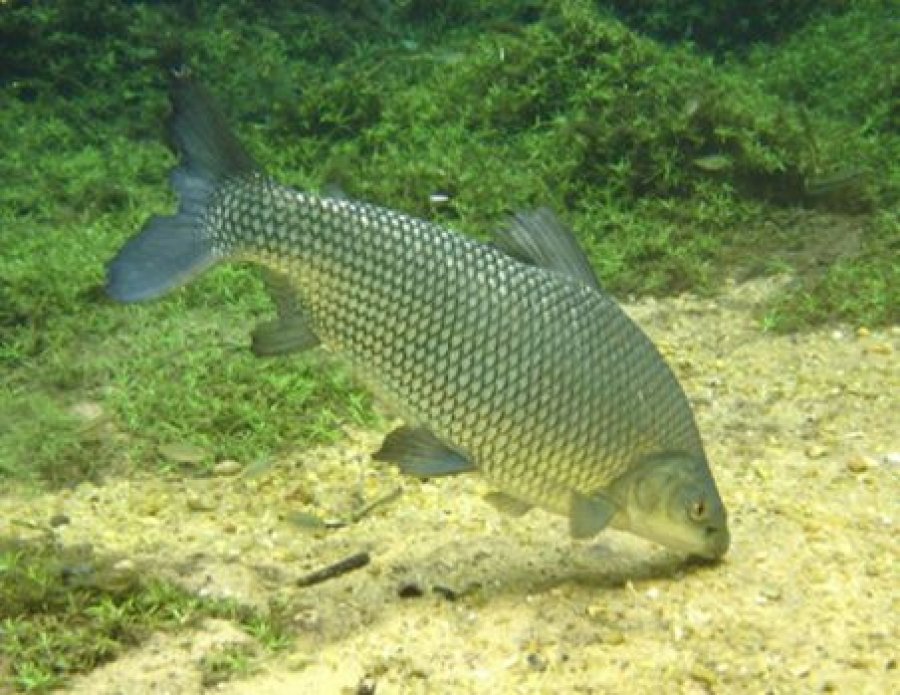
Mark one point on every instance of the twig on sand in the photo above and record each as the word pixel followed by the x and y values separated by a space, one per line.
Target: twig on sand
pixel 377 502
pixel 348 564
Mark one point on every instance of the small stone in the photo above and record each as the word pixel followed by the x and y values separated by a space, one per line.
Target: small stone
pixel 702 674
pixel 771 593
pixel 816 451
pixel 536 662
pixel 227 467
pixel 299 661
pixel 196 503
pixel 596 610
pixel 58 520
pixel 879 349
pixel 87 411
pixel 125 565
pixel 410 590
pixel 863 332
pixel 859 463
pixel 614 638
pixel 182 452
pixel 891 458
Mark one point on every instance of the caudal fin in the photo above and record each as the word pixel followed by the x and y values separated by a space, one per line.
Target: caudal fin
pixel 172 249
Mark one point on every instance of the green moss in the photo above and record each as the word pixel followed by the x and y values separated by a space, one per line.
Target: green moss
pixel 862 288
pixel 226 663
pixel 65 611
pixel 722 25
pixel 670 165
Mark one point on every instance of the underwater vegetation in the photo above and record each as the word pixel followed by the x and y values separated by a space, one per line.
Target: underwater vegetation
pixel 684 148
pixel 64 611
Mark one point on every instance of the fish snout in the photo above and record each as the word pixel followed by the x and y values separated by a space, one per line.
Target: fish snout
pixel 716 542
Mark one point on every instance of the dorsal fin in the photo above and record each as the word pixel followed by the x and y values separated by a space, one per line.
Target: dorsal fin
pixel 198 130
pixel 334 190
pixel 540 239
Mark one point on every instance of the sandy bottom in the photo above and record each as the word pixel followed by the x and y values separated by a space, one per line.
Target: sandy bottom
pixel 803 433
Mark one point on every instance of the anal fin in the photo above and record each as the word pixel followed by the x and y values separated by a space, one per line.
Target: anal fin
pixel 507 504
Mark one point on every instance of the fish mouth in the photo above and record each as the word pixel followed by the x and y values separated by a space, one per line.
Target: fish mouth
pixel 714 544
pixel 709 543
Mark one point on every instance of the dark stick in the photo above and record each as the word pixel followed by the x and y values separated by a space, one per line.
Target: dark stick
pixel 348 564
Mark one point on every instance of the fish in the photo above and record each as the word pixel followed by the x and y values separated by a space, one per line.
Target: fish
pixel 504 358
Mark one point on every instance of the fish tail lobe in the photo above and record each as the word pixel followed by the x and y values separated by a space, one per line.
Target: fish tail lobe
pixel 171 250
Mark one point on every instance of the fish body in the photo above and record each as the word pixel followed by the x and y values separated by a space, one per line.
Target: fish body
pixel 507 359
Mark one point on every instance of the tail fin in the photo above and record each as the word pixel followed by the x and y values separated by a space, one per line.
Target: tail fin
pixel 171 250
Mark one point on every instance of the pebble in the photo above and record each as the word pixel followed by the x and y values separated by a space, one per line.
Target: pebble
pixel 703 675
pixel 860 464
pixel 125 565
pixel 614 638
pixel 87 411
pixel 596 610
pixel 182 452
pixel 410 590
pixel 816 451
pixel 771 593
pixel 227 467
pixel 197 503
pixel 878 349
pixel 536 661
pixel 58 520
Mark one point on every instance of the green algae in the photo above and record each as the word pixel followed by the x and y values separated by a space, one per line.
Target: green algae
pixel 64 611
pixel 493 106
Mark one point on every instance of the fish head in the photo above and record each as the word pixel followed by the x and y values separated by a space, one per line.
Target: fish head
pixel 672 499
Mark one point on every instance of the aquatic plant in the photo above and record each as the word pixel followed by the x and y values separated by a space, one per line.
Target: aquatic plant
pixel 723 26
pixel 673 168
pixel 64 611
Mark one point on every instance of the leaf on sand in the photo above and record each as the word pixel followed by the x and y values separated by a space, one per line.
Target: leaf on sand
pixel 182 452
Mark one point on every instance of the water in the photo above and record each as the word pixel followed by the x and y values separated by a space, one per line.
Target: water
pixel 458 115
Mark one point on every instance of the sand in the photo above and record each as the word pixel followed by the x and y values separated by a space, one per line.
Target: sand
pixel 803 433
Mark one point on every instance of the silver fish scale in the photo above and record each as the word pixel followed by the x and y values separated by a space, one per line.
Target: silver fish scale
pixel 541 380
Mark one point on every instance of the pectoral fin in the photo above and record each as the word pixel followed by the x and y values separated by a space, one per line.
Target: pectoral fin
pixel 290 332
pixel 507 503
pixel 589 515
pixel 419 453
pixel 282 336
